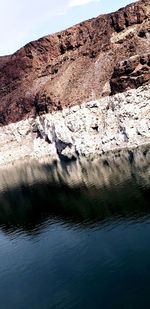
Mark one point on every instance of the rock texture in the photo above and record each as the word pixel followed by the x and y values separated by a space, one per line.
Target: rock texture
pixel 131 73
pixel 89 130
pixel 98 57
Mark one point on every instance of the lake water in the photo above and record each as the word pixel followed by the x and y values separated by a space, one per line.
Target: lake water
pixel 76 235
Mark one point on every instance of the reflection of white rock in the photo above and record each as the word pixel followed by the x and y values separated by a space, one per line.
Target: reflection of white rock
pixel 112 168
pixel 94 127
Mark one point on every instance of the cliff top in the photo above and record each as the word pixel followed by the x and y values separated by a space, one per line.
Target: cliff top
pixel 98 57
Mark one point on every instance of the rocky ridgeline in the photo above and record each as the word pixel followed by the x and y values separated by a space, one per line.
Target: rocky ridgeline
pixel 98 57
pixel 91 129
pixel 104 62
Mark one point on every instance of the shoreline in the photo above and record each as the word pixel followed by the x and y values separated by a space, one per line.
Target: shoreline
pixel 52 160
pixel 100 171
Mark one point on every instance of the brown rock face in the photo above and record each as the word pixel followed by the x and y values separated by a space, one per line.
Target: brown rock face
pixel 131 73
pixel 101 56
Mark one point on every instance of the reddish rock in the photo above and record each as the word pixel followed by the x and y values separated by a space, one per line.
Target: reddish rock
pixel 77 64
pixel 131 73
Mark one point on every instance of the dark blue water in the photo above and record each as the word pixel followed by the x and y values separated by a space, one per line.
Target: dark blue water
pixel 84 245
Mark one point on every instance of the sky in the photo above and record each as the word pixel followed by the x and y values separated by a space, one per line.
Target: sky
pixel 24 21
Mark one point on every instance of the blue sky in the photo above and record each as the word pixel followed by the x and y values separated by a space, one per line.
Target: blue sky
pixel 23 21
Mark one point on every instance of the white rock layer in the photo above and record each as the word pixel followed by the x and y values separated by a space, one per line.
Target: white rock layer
pixel 93 128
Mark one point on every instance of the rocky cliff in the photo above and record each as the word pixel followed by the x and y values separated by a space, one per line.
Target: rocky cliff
pixel 102 56
pixel 79 93
pixel 121 121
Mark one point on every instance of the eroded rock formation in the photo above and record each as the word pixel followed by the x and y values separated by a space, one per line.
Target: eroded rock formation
pixel 131 73
pixel 98 57
pixel 87 130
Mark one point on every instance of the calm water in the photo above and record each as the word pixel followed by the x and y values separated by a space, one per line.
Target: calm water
pixel 76 235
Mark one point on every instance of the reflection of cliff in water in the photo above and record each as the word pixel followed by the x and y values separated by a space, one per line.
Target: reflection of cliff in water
pixel 80 192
